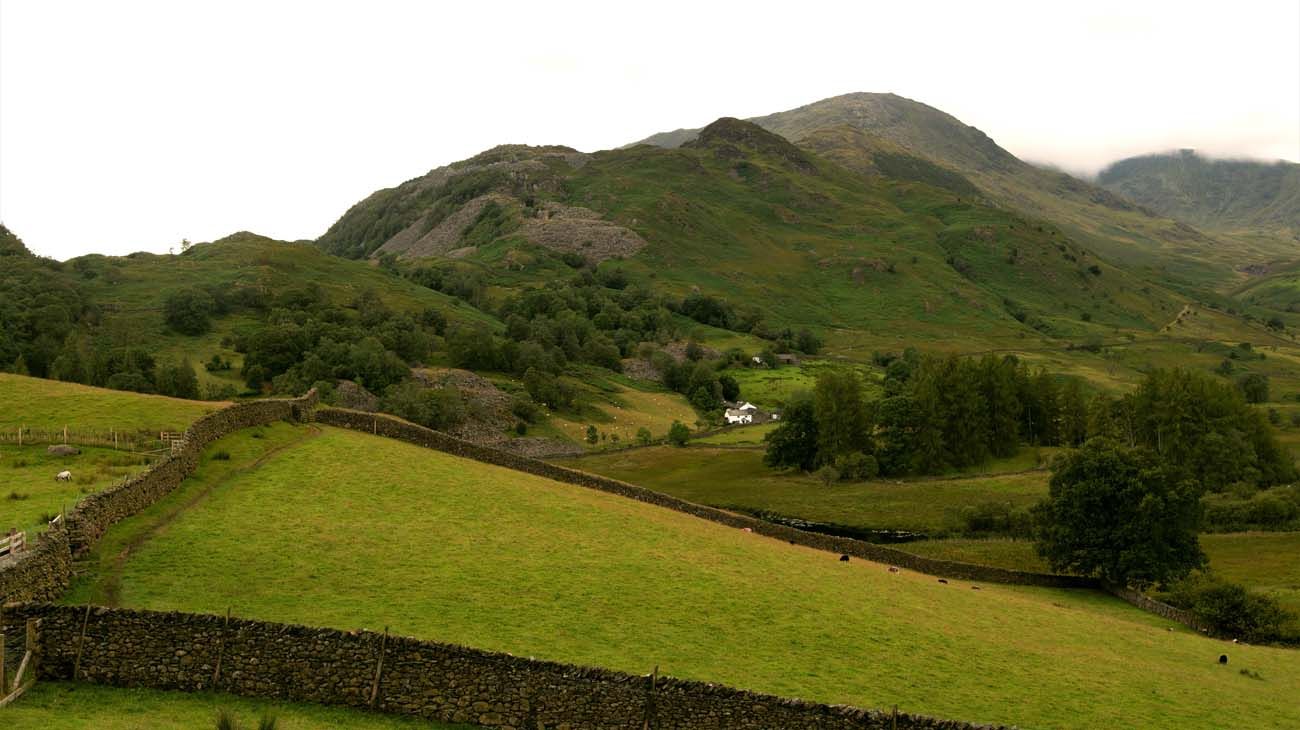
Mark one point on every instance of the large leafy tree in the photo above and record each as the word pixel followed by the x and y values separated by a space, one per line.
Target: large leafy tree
pixel 188 311
pixel 1121 514
pixel 794 442
pixel 842 424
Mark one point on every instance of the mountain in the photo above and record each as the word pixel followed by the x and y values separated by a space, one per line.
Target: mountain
pixel 1123 231
pixel 1217 195
pixel 846 233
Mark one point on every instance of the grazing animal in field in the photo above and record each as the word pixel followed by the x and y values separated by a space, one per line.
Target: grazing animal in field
pixel 1223 658
pixel 893 569
pixel 974 588
pixel 749 529
pixel 844 558
pixel 63 476
pixel 943 581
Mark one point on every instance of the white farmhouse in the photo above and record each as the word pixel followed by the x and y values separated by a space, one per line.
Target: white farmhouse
pixel 737 415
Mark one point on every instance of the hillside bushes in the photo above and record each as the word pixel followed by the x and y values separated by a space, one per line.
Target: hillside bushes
pixel 1232 611
pixel 937 414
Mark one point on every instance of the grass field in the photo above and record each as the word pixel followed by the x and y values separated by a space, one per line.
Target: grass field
pixel 620 406
pixel 737 478
pixel 49 404
pixel 1267 562
pixel 67 706
pixel 29 494
pixel 296 527
pixel 743 436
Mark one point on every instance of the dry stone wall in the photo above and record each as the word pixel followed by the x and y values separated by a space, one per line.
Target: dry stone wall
pixel 45 571
pixel 388 426
pixel 400 675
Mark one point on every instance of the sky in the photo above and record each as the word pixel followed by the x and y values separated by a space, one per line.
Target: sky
pixel 130 125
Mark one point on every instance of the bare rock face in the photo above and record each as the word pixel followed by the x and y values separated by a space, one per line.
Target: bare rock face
pixel 572 229
pixel 640 369
pixel 62 450
pixel 487 407
pixel 420 239
pixel 348 394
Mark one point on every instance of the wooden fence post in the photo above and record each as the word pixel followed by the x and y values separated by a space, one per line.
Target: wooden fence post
pixel 221 650
pixel 81 643
pixel 893 717
pixel 651 708
pixel 379 668
pixel 33 649
pixel 20 436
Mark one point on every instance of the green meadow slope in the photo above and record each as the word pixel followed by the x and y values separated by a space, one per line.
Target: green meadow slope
pixel 1124 232
pixel 908 255
pixel 49 405
pixel 1218 195
pixel 322 526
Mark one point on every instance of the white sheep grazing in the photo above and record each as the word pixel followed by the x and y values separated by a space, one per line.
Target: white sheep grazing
pixel 63 476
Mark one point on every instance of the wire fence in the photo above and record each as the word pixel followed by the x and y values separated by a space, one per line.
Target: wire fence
pixel 133 441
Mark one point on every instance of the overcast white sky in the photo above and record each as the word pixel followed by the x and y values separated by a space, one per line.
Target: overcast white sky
pixel 128 125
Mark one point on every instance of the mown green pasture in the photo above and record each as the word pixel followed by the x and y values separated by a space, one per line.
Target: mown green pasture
pixel 67 706
pixel 40 404
pixel 337 528
pixel 1266 562
pixel 741 436
pixel 29 494
pixel 736 478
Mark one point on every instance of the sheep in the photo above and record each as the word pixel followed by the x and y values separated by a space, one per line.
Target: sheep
pixel 893 569
pixel 63 476
pixel 844 558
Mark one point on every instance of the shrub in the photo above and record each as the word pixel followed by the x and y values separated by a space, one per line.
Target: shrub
pixel 221 456
pixel 525 410
pixel 827 475
pixel 592 435
pixel 1000 518
pixel 643 436
pixel 678 434
pixel 1230 609
pixel 856 466
pixel 187 311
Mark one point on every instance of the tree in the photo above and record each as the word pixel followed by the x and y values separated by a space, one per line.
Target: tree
pixel 1254 386
pixel 807 342
pixel 436 408
pixel 842 425
pixel 678 434
pixel 730 388
pixel 1120 514
pixel 643 436
pixel 592 435
pixel 177 380
pixel 187 311
pixel 794 441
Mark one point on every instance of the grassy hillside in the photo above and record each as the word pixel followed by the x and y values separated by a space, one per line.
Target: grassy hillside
pixel 31 496
pixel 854 233
pixel 50 405
pixel 66 706
pixel 1099 219
pixel 807 242
pixel 441 548
pixel 1226 195
pixel 1268 562
pixel 736 478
